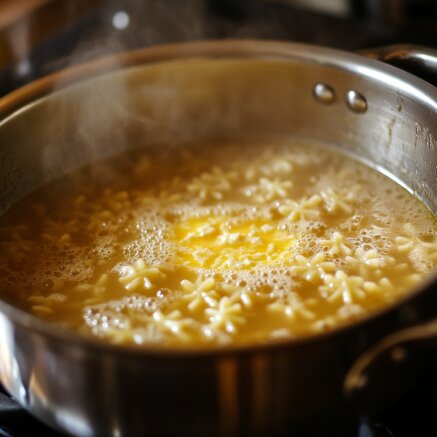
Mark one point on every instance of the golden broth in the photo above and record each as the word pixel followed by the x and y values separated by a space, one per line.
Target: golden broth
pixel 241 242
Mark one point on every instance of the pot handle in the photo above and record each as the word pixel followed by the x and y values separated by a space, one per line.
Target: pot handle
pixel 389 364
pixel 419 60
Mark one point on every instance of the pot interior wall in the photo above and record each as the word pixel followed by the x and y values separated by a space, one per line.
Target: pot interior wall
pixel 199 99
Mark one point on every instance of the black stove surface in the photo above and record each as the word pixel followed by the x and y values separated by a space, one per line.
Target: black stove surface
pixel 122 25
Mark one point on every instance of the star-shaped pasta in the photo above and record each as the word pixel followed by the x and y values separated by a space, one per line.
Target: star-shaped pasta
pixel 335 202
pixel 202 255
pixel 98 288
pixel 342 287
pixel 410 241
pixel 246 297
pixel 44 305
pixel 351 311
pixel 312 268
pixel 370 262
pixel 17 232
pixel 405 244
pixel 276 167
pixel 305 209
pixel 52 298
pixel 383 286
pixel 59 231
pixel 267 190
pixel 211 185
pixel 431 249
pixel 230 238
pixel 117 202
pixel 173 322
pixel 234 262
pixel 139 276
pixel 292 307
pixel 270 168
pixel 200 292
pixel 227 316
pixel 337 245
pixel 16 248
pixel 412 279
pixel 375 260
pixel 201 232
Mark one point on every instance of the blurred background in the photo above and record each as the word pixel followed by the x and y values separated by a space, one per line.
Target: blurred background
pixel 40 36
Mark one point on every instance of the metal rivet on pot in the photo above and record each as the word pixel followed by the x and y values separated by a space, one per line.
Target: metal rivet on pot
pixel 323 93
pixel 356 101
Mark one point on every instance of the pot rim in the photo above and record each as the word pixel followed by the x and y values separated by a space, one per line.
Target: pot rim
pixel 19 100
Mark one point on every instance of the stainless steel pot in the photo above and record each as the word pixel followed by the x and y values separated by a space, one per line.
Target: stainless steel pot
pixel 379 113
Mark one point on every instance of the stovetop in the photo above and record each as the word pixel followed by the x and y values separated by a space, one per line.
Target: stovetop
pixel 120 25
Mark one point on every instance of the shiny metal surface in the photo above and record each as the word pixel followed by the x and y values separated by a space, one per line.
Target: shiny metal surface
pixel 394 347
pixel 416 59
pixel 192 92
pixel 356 102
pixel 324 93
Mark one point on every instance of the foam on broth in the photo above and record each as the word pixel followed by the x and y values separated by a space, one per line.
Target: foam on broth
pixel 236 242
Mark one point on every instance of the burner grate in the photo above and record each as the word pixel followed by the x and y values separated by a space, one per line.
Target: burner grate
pixel 16 422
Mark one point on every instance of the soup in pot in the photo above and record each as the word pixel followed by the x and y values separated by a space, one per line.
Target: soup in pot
pixel 241 242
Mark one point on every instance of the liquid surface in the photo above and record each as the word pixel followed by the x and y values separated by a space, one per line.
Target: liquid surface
pixel 229 243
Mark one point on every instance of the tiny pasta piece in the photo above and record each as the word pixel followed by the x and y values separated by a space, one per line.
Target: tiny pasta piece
pixel 173 322
pixel 117 202
pixel 410 241
pixel 41 310
pixel 139 276
pixel 17 249
pixel 277 167
pixel 431 249
pixel 312 268
pixel 371 263
pixel 246 297
pixel 384 285
pixel 51 298
pixel 324 324
pixel 227 316
pixel 97 289
pixel 305 209
pixel 351 311
pixel 201 232
pixel 212 185
pixel 199 293
pixel 337 245
pixel 334 202
pixel 373 259
pixel 45 305
pixel 59 232
pixel 270 168
pixel 269 189
pixel 292 307
pixel 230 238
pixel 342 287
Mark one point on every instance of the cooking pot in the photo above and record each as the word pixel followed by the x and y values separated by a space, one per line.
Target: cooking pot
pixel 211 90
